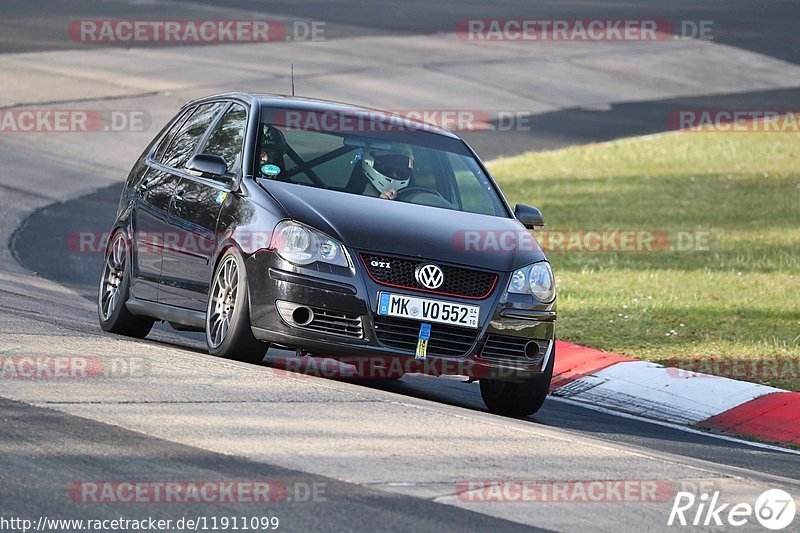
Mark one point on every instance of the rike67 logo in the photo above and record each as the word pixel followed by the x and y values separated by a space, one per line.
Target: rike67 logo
pixel 775 509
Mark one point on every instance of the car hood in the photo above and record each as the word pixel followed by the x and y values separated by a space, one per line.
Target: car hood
pixel 392 227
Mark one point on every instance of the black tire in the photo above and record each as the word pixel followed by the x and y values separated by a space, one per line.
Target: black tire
pixel 228 332
pixel 114 290
pixel 518 399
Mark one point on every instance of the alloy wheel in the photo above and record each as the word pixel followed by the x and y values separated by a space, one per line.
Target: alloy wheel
pixel 223 301
pixel 113 277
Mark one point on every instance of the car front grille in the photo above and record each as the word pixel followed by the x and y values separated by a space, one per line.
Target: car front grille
pixel 399 272
pixel 511 350
pixel 335 323
pixel 447 341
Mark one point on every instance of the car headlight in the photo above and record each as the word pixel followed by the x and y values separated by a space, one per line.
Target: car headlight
pixel 536 279
pixel 302 245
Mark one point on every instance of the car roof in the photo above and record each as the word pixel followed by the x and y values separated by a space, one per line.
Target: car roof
pixel 315 105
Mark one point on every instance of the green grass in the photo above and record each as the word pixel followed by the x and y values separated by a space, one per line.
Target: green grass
pixel 735 300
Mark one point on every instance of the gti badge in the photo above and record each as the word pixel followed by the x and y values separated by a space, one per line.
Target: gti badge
pixel 429 276
pixel 380 264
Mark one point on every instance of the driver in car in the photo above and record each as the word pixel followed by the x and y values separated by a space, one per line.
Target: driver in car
pixel 387 171
pixel 272 150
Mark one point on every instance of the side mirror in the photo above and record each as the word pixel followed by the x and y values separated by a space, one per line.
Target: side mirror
pixel 530 217
pixel 207 166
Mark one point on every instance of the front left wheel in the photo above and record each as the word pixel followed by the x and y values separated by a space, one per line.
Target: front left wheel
pixel 228 332
pixel 518 399
pixel 114 291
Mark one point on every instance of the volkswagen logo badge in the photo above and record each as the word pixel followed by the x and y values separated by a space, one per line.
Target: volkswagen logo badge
pixel 429 276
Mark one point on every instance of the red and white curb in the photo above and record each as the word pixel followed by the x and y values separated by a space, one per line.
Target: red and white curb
pixel 722 405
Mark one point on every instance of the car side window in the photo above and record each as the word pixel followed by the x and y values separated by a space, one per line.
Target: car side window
pixel 161 149
pixel 227 138
pixel 185 141
pixel 475 190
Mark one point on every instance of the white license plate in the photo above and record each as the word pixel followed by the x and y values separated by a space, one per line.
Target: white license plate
pixel 427 310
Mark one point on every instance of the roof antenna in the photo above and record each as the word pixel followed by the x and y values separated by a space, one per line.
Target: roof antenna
pixel 292 67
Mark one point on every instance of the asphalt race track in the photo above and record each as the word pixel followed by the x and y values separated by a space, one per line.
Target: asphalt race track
pixel 383 455
pixel 767 29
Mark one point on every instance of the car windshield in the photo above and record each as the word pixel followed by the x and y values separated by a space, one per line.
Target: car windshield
pixel 372 155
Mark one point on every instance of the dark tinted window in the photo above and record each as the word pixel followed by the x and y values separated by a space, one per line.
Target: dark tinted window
pixel 227 138
pixel 351 152
pixel 158 155
pixel 183 145
pixel 334 173
pixel 477 196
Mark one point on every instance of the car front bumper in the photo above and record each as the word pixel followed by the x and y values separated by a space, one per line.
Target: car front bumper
pixel 344 297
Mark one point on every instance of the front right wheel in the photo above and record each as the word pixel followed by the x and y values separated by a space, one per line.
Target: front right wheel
pixel 228 332
pixel 508 398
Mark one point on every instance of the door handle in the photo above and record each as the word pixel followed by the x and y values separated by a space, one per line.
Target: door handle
pixel 144 185
pixel 178 197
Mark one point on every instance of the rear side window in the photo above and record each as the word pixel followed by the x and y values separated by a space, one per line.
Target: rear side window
pixel 227 138
pixel 185 141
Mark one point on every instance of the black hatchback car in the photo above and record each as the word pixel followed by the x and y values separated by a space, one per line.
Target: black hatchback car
pixel 336 231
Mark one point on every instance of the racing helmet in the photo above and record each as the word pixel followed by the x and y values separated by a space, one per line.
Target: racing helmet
pixel 387 169
pixel 273 144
